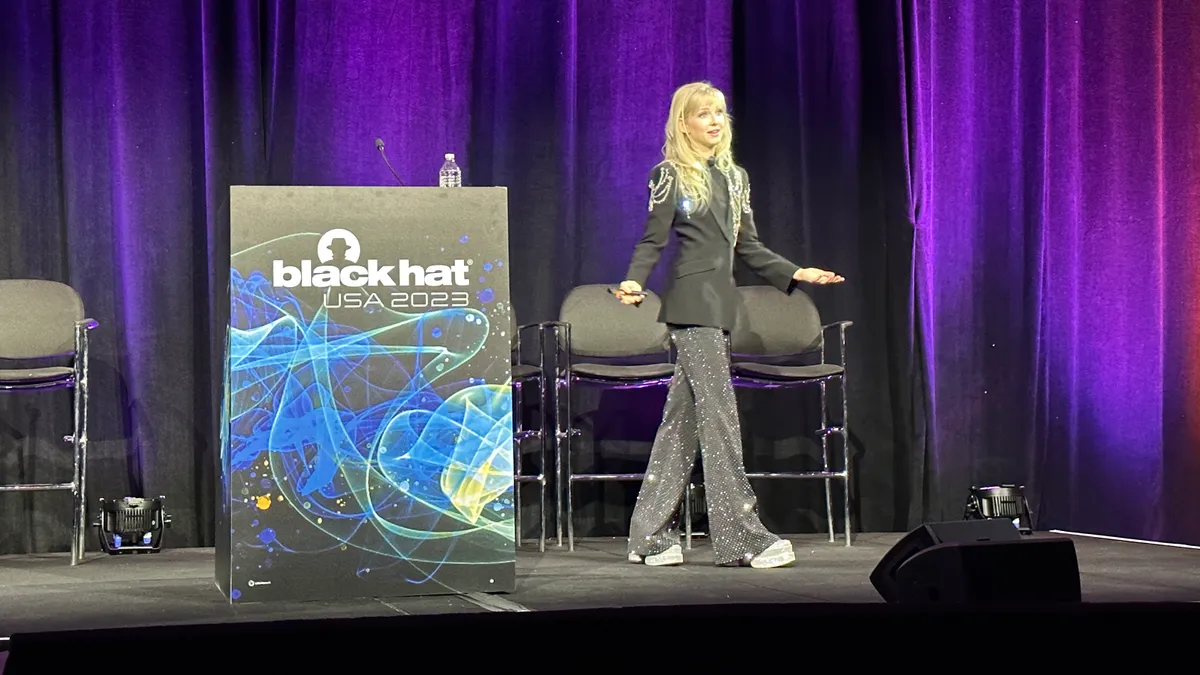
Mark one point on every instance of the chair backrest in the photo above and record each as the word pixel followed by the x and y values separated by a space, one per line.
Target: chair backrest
pixel 604 327
pixel 773 323
pixel 37 318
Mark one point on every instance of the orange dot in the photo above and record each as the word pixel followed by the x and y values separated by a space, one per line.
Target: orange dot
pixel 264 502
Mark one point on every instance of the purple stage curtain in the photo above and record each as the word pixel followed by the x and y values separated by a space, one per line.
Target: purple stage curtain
pixel 1056 193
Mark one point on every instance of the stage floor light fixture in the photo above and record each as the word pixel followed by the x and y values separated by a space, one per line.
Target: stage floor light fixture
pixel 132 525
pixel 1000 501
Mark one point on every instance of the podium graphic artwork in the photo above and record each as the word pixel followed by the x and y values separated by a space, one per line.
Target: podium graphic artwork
pixel 367 416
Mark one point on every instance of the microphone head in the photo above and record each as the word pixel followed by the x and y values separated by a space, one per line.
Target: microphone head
pixel 378 143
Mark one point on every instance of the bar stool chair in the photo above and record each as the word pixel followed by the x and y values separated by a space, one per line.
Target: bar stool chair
pixel 525 375
pixel 43 321
pixel 594 326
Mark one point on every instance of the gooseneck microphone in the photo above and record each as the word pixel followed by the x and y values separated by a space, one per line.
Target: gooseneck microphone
pixel 379 147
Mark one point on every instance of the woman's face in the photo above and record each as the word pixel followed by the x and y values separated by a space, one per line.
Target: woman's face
pixel 705 124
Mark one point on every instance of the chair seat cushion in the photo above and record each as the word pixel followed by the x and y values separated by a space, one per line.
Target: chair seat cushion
pixel 767 371
pixel 522 371
pixel 36 376
pixel 604 372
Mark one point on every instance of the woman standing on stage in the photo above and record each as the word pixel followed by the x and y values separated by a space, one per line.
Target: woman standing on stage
pixel 700 193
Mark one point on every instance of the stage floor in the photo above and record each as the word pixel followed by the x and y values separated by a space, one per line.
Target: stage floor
pixel 43 593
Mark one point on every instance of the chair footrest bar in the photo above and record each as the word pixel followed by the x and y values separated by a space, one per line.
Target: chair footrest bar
pixel 606 476
pixel 520 436
pixel 37 487
pixel 829 431
pixel 541 478
pixel 799 474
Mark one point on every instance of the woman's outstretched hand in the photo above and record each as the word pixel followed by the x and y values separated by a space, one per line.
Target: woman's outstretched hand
pixel 630 293
pixel 815 275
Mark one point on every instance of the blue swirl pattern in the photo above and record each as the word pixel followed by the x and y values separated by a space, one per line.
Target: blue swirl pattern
pixel 373 437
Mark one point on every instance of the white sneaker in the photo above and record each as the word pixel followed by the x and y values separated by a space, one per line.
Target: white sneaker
pixel 777 555
pixel 671 556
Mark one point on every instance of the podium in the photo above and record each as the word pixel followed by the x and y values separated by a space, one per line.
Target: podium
pixel 367 431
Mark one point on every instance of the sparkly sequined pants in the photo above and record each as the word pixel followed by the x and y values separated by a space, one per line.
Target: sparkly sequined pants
pixel 701 413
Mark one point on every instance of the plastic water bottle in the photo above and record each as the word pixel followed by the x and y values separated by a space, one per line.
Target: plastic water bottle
pixel 450 175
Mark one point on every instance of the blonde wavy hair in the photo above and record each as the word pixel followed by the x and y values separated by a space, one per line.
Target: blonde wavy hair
pixel 688 159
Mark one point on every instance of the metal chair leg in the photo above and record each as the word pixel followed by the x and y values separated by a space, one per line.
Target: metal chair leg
pixel 568 484
pixel 518 433
pixel 562 430
pixel 541 479
pixel 543 486
pixel 569 433
pixel 79 447
pixel 570 514
pixel 825 459
pixel 845 457
pixel 77 491
pixel 544 466
pixel 558 459
pixel 542 509
pixel 568 480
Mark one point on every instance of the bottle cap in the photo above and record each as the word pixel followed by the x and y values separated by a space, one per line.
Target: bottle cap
pixel 450 156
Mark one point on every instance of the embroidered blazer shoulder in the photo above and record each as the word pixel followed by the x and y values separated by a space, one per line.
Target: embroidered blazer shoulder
pixel 701 289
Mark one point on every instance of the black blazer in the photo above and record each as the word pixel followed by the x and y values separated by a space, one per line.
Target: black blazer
pixel 702 290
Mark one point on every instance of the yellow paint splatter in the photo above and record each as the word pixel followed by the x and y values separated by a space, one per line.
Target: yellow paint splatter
pixel 263 502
